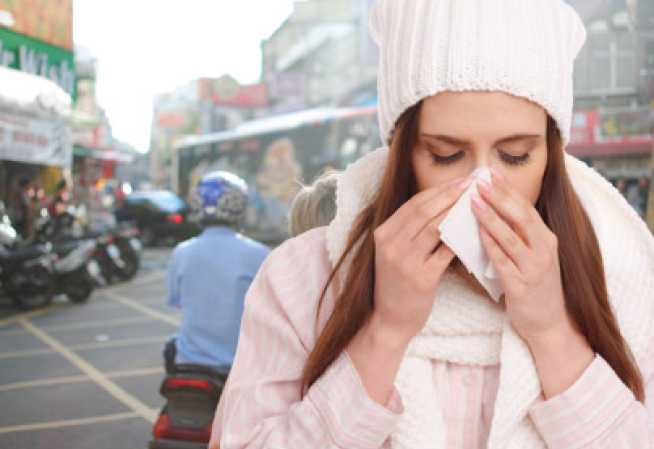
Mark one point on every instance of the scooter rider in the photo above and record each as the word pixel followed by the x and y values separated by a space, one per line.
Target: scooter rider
pixel 209 275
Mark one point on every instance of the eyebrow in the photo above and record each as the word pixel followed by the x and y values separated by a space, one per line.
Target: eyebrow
pixel 462 142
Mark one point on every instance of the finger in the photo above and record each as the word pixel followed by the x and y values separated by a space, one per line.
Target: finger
pixel 502 263
pixel 429 237
pixel 439 261
pixel 413 215
pixel 508 240
pixel 516 210
pixel 437 205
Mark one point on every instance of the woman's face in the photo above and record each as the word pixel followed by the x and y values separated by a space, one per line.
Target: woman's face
pixel 461 131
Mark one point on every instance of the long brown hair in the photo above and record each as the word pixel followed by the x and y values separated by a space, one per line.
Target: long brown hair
pixel 582 269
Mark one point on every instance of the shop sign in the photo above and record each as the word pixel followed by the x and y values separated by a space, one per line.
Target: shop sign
pixel 223 92
pixel 35 141
pixel 287 84
pixel 38 58
pixel 630 124
pixel 592 127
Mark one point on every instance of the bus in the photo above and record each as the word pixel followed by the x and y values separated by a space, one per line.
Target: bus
pixel 275 155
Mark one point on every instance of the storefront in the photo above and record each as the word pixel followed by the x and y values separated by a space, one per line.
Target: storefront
pixel 618 144
pixel 35 132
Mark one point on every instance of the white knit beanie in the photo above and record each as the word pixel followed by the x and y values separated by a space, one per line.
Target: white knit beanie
pixel 522 47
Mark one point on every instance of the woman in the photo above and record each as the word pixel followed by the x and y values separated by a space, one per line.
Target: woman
pixel 369 334
pixel 314 205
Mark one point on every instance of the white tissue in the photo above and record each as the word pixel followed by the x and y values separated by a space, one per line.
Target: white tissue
pixel 460 232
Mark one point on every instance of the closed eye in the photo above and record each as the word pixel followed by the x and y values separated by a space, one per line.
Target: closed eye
pixel 511 159
pixel 446 160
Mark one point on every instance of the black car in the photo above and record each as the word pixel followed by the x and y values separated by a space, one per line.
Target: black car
pixel 160 215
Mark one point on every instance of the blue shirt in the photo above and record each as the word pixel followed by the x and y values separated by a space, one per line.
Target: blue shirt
pixel 208 277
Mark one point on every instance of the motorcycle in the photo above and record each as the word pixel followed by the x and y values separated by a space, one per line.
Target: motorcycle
pixel 76 272
pixel 192 393
pixel 118 252
pixel 126 238
pixel 26 274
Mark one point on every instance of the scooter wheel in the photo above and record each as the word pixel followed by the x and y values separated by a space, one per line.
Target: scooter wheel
pixel 31 302
pixel 79 291
pixel 40 295
pixel 131 266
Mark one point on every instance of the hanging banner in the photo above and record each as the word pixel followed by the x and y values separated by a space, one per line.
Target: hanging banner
pixel 35 141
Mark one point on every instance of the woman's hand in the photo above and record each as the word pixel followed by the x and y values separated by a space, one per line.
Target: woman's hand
pixel 409 260
pixel 524 252
pixel 409 263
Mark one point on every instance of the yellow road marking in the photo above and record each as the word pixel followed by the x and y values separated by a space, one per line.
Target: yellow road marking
pixel 121 342
pixel 135 372
pixel 78 379
pixel 85 325
pixel 25 353
pixel 68 422
pixel 102 380
pixel 28 315
pixel 44 382
pixel 144 309
pixel 83 346
pixel 155 276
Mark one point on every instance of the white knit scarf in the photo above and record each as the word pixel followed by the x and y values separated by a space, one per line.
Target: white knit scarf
pixel 465 327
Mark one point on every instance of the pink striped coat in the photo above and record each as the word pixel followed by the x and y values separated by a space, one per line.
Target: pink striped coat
pixel 262 406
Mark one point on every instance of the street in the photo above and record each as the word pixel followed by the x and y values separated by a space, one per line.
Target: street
pixel 87 376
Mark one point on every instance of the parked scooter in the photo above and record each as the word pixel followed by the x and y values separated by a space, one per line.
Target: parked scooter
pixel 192 393
pixel 76 272
pixel 26 274
pixel 126 238
pixel 118 252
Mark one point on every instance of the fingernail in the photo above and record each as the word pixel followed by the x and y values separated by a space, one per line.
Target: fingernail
pixel 465 183
pixel 456 181
pixel 485 187
pixel 481 204
pixel 498 176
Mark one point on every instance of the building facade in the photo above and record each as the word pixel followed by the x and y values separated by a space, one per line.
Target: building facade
pixel 612 123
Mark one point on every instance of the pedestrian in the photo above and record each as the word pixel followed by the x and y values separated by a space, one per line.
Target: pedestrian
pixel 20 210
pixel 60 200
pixel 621 185
pixel 314 205
pixel 372 333
pixel 643 195
pixel 208 276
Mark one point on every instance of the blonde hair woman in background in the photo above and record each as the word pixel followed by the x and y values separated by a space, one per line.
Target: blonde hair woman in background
pixel 314 205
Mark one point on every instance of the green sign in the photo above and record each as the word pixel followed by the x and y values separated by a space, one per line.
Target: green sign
pixel 38 58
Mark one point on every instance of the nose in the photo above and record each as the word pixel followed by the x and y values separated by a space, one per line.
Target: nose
pixel 482 158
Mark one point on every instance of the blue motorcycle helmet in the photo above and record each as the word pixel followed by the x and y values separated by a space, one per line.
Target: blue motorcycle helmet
pixel 221 198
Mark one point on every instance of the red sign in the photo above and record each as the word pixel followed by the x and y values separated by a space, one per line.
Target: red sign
pixel 171 119
pixel 610 133
pixel 252 95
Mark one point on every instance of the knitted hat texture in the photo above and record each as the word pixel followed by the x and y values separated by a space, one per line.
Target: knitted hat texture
pixel 522 47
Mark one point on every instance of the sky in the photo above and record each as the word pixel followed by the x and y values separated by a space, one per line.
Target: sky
pixel 146 47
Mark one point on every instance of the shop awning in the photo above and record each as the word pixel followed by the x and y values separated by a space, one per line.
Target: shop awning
pixel 104 154
pixel 35 124
pixel 33 96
